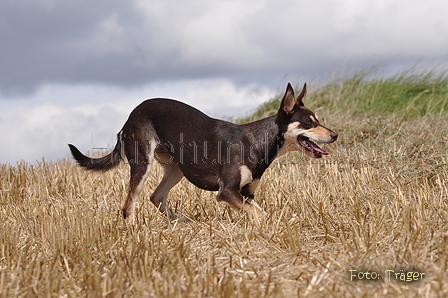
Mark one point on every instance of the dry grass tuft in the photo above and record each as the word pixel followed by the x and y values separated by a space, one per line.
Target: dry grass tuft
pixel 379 202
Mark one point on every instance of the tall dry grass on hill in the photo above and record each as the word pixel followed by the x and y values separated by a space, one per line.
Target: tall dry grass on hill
pixel 379 202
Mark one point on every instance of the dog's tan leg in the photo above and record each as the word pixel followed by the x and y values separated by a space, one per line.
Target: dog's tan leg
pixel 140 169
pixel 139 174
pixel 232 197
pixel 239 193
pixel 252 208
pixel 171 176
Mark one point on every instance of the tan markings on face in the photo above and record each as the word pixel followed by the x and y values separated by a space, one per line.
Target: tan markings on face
pixel 293 131
pixel 319 134
pixel 314 119
pixel 246 176
pixel 291 134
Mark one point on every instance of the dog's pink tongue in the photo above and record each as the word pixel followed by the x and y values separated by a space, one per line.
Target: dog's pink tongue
pixel 317 148
pixel 321 151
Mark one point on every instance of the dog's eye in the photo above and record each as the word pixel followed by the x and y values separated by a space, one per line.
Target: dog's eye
pixel 308 121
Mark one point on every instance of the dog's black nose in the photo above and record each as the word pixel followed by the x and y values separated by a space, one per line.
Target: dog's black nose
pixel 334 135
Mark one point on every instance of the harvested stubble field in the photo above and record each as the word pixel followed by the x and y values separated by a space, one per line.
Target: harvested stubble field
pixel 379 202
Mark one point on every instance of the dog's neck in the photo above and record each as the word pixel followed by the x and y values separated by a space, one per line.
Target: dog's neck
pixel 266 139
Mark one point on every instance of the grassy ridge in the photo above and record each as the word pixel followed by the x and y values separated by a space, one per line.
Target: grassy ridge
pixel 407 95
pixel 378 202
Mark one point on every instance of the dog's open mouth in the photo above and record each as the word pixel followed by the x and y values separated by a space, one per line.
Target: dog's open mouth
pixel 311 148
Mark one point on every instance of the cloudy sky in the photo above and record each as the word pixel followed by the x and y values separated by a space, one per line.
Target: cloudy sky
pixel 72 71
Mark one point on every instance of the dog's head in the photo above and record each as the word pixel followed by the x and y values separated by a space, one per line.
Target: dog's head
pixel 301 126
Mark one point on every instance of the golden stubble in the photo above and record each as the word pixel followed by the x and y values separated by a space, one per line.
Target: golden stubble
pixel 378 202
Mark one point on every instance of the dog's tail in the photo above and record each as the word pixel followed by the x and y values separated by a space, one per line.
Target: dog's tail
pixel 104 163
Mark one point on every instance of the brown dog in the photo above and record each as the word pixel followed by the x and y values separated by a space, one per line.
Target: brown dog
pixel 212 154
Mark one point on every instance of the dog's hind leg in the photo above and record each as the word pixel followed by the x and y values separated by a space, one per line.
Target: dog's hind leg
pixel 141 164
pixel 171 176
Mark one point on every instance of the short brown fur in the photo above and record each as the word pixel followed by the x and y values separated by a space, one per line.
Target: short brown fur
pixel 212 154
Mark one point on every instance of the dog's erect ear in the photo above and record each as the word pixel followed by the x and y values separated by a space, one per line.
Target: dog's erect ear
pixel 301 96
pixel 288 103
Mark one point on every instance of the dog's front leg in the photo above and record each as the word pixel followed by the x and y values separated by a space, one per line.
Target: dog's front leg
pixel 231 196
